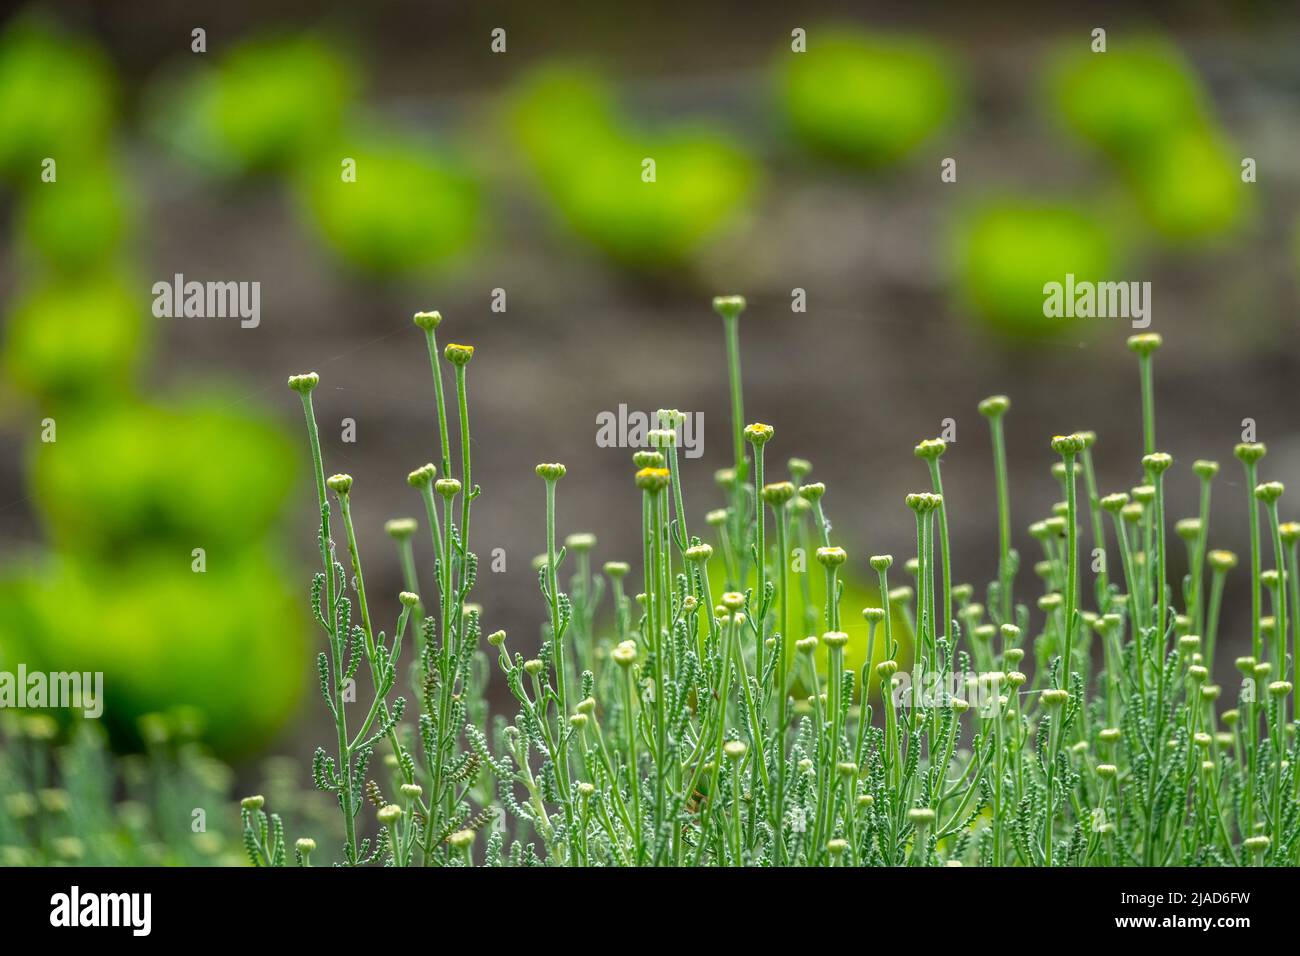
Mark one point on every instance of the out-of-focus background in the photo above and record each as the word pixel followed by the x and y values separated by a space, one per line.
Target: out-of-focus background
pixel 500 177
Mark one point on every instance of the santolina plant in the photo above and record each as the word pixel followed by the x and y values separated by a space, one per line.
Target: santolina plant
pixel 701 723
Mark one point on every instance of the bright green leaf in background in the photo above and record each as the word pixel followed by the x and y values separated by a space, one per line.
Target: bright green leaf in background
pixel 591 164
pixel 191 473
pixel 408 209
pixel 1006 251
pixel 1143 106
pixel 56 98
pixel 226 642
pixel 77 337
pixel 866 100
pixel 270 103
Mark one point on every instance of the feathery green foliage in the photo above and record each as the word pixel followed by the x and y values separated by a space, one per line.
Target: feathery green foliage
pixel 680 730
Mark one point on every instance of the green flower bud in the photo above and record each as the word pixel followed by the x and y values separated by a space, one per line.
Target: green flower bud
pixel 550 471
pixel 625 654
pixel 253 803
pixel 734 749
pixel 653 480
pixel 496 638
pixel 461 839
pixel 421 476
pixel 1114 502
pixel 662 438
pixel 778 493
pixel 428 320
pixel 580 542
pixel 835 639
pixel 669 417
pixel 1157 463
pixel 729 306
pixel 812 492
pixel 873 615
pixel 447 487
pixel 408 598
pixel 1269 491
pixel 339 484
pixel 995 406
pixel 304 382
pixel 458 354
pixel 1250 452
pixel 1205 469
pixel 931 449
pixel 831 557
pixel 1067 445
pixel 617 569
pixel 699 553
pixel 1145 343
pixel 799 467
pixel 400 529
pixel 758 434
pixel 923 502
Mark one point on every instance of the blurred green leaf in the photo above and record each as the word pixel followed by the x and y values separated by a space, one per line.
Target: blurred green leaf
pixel 408 210
pixel 229 642
pixel 56 97
pixel 1130 98
pixel 269 103
pixel 1189 186
pixel 866 100
pixel 81 220
pixel 192 474
pixel 76 337
pixel 1006 251
pixel 591 167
